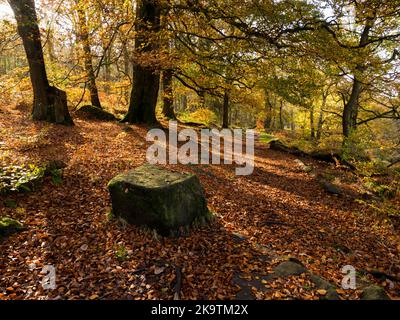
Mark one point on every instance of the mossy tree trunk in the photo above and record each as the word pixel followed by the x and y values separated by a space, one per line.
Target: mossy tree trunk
pixel 146 77
pixel 49 103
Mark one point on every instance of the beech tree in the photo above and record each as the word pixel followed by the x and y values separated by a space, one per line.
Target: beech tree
pixel 87 53
pixel 146 76
pixel 49 102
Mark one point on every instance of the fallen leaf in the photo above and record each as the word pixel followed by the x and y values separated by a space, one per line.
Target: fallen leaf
pixel 322 292
pixel 158 270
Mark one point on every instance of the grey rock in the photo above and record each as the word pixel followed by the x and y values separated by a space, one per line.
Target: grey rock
pixel 237 237
pixel 289 268
pixel 330 187
pixel 325 285
pixel 303 167
pixel 246 285
pixel 374 292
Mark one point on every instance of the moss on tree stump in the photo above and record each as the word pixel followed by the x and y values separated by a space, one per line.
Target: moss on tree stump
pixel 159 199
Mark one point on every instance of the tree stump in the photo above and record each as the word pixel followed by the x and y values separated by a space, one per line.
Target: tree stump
pixel 159 199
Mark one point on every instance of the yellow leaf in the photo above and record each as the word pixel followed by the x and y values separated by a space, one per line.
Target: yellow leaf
pixel 322 292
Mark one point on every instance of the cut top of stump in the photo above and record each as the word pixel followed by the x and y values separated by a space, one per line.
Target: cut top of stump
pixel 151 177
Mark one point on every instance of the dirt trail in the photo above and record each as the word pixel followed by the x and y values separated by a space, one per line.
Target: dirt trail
pixel 277 212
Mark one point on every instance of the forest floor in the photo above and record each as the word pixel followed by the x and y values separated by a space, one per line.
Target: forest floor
pixel 276 213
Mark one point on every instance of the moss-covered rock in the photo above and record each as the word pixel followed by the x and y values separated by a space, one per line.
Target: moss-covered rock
pixel 9 226
pixel 95 113
pixel 374 292
pixel 160 199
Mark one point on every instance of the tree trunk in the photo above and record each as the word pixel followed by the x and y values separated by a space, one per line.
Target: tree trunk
pixel 168 95
pixel 202 97
pixel 184 100
pixel 50 46
pixel 146 77
pixel 321 115
pixel 49 103
pixel 269 110
pixel 350 112
pixel 127 65
pixel 281 124
pixel 84 37
pixel 107 65
pixel 181 103
pixel 319 126
pixel 225 110
pixel 292 123
pixel 312 135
